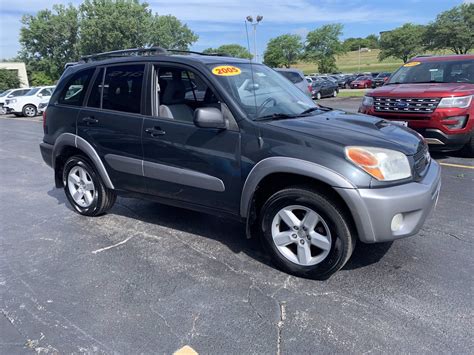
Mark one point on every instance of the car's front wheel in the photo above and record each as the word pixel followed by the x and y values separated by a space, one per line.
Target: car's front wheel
pixel 306 233
pixel 29 111
pixel 85 189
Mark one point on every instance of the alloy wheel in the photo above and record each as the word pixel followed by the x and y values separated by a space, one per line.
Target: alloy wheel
pixel 81 187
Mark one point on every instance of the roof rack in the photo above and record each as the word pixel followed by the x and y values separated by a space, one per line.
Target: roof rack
pixel 138 52
pixel 124 52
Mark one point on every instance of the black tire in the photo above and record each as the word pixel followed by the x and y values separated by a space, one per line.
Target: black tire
pixel 468 149
pixel 29 110
pixel 348 86
pixel 339 223
pixel 103 198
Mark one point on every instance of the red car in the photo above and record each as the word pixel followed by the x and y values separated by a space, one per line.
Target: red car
pixel 362 82
pixel 432 95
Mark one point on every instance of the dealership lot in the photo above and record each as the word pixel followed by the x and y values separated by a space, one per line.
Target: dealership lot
pixel 148 278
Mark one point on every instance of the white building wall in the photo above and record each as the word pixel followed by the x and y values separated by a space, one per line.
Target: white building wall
pixel 20 68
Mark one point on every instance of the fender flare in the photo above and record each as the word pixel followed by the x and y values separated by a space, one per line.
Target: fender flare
pixel 72 140
pixel 273 165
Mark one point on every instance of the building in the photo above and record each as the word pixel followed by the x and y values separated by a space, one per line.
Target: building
pixel 20 68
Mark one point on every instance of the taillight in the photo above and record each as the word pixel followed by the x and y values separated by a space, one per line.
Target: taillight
pixel 310 88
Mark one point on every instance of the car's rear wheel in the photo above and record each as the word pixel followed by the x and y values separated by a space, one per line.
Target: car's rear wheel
pixel 85 189
pixel 306 233
pixel 29 111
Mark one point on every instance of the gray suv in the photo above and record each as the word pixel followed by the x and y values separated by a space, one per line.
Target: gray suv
pixel 233 138
pixel 296 77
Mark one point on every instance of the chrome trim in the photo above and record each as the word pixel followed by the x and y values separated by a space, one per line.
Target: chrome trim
pixel 433 141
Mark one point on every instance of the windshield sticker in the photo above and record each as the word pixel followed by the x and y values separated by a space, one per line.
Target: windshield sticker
pixel 226 70
pixel 412 64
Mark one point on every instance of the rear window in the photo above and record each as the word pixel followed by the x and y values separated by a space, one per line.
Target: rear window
pixel 75 90
pixel 292 76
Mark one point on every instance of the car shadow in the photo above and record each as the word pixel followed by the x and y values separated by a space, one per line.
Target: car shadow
pixel 226 231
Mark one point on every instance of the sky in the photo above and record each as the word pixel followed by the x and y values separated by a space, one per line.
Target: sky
pixel 220 22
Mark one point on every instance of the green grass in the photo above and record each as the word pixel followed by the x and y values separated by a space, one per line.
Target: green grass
pixel 352 93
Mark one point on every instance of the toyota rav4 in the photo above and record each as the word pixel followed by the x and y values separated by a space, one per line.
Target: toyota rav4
pixel 234 138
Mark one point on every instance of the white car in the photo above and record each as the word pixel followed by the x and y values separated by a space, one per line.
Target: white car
pixel 27 105
pixel 9 94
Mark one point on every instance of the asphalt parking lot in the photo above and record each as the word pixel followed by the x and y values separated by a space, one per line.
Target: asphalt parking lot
pixel 148 278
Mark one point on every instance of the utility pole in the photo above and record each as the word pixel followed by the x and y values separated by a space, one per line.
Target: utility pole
pixel 254 25
pixel 359 59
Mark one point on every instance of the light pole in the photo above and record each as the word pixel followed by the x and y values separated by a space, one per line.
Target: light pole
pixel 254 24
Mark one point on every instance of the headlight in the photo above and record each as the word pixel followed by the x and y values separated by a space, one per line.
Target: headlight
pixel 382 164
pixel 12 101
pixel 455 102
pixel 368 101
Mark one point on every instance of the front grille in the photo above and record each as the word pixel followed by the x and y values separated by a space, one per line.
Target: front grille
pixel 406 105
pixel 421 161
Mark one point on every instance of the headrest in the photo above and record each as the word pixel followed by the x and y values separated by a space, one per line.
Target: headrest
pixel 174 93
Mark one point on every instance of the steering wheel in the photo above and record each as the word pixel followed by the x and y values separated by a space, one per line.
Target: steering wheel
pixel 263 104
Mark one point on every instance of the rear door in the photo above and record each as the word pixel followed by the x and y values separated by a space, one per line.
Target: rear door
pixel 112 122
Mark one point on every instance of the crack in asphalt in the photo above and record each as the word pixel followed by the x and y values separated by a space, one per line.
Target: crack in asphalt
pixel 280 324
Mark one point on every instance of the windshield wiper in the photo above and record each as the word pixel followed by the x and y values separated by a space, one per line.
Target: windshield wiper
pixel 316 108
pixel 275 116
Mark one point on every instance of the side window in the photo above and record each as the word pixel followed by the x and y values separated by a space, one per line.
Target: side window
pixel 181 92
pixel 46 92
pixel 74 91
pixel 122 88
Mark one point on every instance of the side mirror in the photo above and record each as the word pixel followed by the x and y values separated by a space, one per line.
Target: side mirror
pixel 40 95
pixel 209 117
pixel 252 87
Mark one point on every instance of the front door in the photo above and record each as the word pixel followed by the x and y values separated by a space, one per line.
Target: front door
pixel 112 123
pixel 184 162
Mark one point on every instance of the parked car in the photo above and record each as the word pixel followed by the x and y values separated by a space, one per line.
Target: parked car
pixel 380 79
pixel 432 95
pixel 323 88
pixel 296 77
pixel 307 180
pixel 348 79
pixel 10 94
pixel 27 105
pixel 362 82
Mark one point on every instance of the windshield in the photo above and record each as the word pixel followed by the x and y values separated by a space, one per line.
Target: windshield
pixel 5 93
pixel 262 94
pixel 32 92
pixel 453 71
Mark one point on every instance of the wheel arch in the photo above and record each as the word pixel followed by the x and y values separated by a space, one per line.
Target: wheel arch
pixel 273 174
pixel 67 145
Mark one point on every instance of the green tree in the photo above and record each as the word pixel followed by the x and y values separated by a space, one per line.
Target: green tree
pixel 40 78
pixel 323 45
pixel 453 29
pixel 49 39
pixel 283 50
pixel 354 43
pixel 403 42
pixel 168 32
pixel 372 41
pixel 113 24
pixel 233 50
pixel 8 79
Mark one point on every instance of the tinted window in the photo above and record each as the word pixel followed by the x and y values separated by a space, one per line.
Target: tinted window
pixel 19 93
pixel 292 76
pixel 46 92
pixel 74 91
pixel 122 88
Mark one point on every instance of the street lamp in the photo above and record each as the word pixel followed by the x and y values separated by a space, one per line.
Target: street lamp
pixel 254 24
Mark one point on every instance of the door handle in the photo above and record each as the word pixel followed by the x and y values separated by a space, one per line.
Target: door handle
pixel 155 131
pixel 90 120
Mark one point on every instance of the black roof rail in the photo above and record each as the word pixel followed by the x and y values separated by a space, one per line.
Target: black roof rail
pixel 198 53
pixel 124 52
pixel 70 64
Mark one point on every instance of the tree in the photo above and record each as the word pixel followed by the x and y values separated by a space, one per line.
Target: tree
pixel 168 32
pixel 8 79
pixel 49 39
pixel 372 41
pixel 354 43
pixel 283 50
pixel 233 50
pixel 113 24
pixel 452 29
pixel 403 42
pixel 322 46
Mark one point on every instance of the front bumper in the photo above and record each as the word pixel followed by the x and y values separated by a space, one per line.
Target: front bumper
pixel 374 209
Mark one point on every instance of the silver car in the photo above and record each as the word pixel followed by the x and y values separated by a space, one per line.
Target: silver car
pixel 296 77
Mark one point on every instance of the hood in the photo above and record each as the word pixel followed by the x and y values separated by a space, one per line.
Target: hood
pixel 424 90
pixel 346 129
